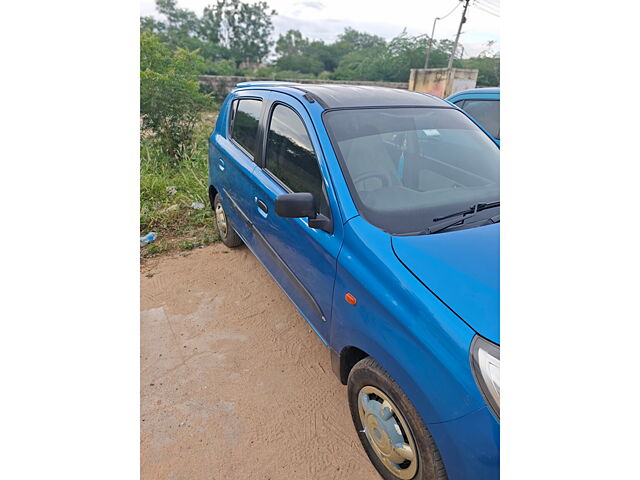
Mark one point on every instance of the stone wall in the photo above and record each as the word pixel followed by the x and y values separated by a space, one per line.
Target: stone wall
pixel 221 85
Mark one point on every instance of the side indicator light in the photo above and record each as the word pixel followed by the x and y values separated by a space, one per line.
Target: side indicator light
pixel 351 300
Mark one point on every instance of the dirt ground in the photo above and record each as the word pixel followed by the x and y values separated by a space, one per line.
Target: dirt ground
pixel 234 384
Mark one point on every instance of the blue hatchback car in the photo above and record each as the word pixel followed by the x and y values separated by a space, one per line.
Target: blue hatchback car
pixel 377 212
pixel 483 104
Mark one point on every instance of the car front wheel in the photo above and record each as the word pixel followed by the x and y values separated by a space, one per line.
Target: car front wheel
pixel 391 431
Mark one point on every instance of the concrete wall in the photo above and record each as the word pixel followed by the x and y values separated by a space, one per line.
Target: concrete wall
pixel 438 82
pixel 463 79
pixel 221 85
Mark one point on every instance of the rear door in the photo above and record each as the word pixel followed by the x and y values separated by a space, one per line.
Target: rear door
pixel 303 258
pixel 235 149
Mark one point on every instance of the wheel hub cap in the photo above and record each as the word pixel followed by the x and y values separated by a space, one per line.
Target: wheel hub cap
pixel 221 220
pixel 387 432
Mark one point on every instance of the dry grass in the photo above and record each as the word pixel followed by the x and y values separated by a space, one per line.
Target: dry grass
pixel 167 190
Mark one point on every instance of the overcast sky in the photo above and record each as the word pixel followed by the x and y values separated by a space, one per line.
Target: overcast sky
pixel 326 19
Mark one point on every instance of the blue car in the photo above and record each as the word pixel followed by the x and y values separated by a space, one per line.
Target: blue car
pixel 377 212
pixel 483 104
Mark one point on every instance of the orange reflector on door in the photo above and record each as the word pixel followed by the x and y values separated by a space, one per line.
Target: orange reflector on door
pixel 351 300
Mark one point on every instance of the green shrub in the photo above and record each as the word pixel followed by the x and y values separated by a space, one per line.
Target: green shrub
pixel 220 67
pixel 170 100
pixel 300 63
pixel 262 72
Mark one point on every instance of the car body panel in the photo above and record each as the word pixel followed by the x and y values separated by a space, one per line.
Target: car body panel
pixel 470 445
pixel 411 333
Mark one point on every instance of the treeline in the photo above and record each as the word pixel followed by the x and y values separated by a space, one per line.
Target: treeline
pixel 235 38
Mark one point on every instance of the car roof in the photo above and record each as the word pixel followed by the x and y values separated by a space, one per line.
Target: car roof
pixel 346 96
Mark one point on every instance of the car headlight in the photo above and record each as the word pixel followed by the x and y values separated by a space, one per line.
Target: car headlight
pixel 485 363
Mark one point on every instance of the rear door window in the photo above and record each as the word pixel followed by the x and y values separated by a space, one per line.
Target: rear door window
pixel 244 123
pixel 486 113
pixel 290 155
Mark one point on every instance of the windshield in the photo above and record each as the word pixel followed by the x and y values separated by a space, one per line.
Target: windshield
pixel 408 167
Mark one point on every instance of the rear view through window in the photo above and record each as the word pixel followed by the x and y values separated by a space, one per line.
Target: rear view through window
pixel 409 167
pixel 244 124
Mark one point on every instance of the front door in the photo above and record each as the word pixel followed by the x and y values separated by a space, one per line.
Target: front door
pixel 291 161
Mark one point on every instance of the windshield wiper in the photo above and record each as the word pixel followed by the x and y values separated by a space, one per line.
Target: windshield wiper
pixel 463 215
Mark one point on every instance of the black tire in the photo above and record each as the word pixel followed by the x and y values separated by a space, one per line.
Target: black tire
pixel 367 373
pixel 227 234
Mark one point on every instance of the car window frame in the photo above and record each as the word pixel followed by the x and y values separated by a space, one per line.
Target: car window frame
pixel 232 116
pixel 268 116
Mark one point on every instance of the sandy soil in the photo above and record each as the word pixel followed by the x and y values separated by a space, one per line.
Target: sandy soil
pixel 234 384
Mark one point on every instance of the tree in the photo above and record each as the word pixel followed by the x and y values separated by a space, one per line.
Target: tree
pixel 446 46
pixel 359 65
pixel 359 40
pixel 151 25
pixel 170 101
pixel 210 25
pixel 179 30
pixel 389 62
pixel 352 54
pixel 298 53
pixel 291 43
pixel 488 69
pixel 404 53
pixel 235 38
pixel 323 53
pixel 228 29
pixel 245 29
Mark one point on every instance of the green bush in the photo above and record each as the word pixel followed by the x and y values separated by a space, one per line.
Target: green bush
pixel 300 63
pixel 170 100
pixel 261 72
pixel 220 67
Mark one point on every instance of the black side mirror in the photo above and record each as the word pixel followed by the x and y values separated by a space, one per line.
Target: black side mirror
pixel 301 205
pixel 296 205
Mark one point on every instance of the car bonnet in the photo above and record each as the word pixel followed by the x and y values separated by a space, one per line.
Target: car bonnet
pixel 462 268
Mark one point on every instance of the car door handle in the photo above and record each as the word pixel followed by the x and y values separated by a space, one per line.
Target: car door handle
pixel 221 164
pixel 262 206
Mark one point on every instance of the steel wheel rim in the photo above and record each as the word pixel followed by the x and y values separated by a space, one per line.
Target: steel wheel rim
pixel 387 432
pixel 221 220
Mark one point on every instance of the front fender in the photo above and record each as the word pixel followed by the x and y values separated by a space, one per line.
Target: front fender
pixel 421 343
